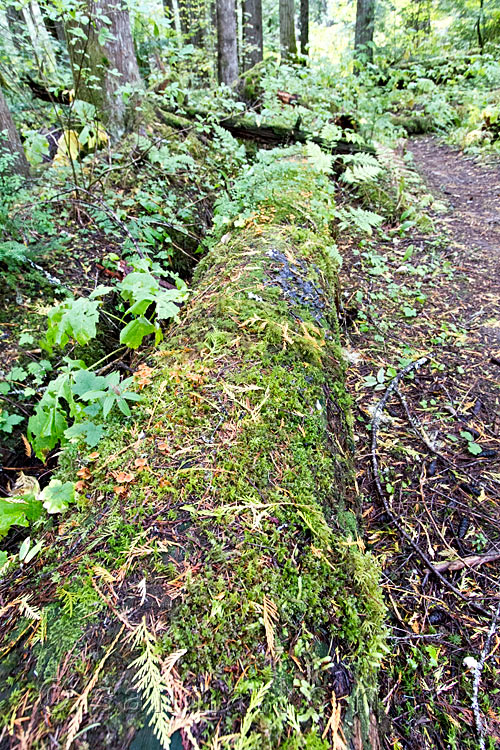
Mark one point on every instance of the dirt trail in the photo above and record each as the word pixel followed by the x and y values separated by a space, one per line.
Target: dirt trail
pixel 473 193
pixel 437 294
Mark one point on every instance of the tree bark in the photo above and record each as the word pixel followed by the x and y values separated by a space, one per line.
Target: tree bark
pixel 252 33
pixel 365 24
pixel 12 142
pixel 288 42
pixel 95 61
pixel 227 51
pixel 304 27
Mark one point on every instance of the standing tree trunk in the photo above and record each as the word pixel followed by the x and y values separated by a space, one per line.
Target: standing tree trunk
pixel 227 43
pixel 288 43
pixel 17 25
pixel 252 33
pixel 104 60
pixel 10 142
pixel 365 24
pixel 304 27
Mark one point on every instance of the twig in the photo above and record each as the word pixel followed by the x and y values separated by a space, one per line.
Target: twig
pixel 375 424
pixel 468 562
pixel 477 679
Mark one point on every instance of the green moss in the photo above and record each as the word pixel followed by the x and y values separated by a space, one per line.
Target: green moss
pixel 246 502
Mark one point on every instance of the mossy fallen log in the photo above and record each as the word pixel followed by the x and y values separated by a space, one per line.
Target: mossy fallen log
pixel 270 133
pixel 212 587
pixel 414 123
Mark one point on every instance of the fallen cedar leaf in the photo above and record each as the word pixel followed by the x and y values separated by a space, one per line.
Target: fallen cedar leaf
pixel 27 446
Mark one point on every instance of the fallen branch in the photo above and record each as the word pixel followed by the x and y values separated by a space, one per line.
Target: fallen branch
pixel 472 561
pixel 375 424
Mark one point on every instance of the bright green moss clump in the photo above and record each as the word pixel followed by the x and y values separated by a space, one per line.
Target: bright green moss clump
pixel 235 477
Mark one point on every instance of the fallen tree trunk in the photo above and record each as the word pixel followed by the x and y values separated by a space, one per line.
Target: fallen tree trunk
pixel 248 127
pixel 212 587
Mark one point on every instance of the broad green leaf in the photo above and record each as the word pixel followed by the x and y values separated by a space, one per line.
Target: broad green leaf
pixel 136 286
pixel 73 319
pixel 166 306
pixel 134 332
pixel 474 448
pixel 18 511
pixel 57 495
pixel 87 432
pixel 85 381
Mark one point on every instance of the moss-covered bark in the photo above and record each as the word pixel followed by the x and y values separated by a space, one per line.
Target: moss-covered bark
pixel 217 537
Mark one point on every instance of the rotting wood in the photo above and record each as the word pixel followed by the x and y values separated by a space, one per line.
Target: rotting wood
pixel 248 127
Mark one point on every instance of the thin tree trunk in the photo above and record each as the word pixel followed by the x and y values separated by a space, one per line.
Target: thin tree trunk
pixel 227 43
pixel 288 43
pixel 480 39
pixel 17 25
pixel 252 33
pixel 94 63
pixel 11 141
pixel 304 27
pixel 365 24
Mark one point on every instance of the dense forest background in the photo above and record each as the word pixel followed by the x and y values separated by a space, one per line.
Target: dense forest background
pixel 249 374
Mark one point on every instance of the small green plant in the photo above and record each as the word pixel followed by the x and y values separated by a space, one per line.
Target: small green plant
pixel 26 507
pixel 77 396
pixel 472 446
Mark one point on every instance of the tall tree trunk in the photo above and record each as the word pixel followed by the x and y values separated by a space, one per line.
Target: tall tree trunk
pixel 365 24
pixel 252 33
pixel 11 141
pixel 304 26
pixel 94 61
pixel 288 43
pixel 227 43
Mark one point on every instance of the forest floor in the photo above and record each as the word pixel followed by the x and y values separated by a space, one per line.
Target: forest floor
pixel 436 294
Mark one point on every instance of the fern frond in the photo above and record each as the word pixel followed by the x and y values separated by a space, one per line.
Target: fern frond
pixel 364 168
pixel 363 220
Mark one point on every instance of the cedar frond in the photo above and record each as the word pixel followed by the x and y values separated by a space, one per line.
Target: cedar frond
pixel 154 679
pixel 270 617
pixel 80 706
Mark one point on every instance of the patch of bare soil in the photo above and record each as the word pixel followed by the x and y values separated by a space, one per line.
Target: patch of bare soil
pixel 434 521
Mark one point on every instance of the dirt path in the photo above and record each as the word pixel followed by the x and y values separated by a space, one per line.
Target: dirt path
pixel 435 294
pixel 473 192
